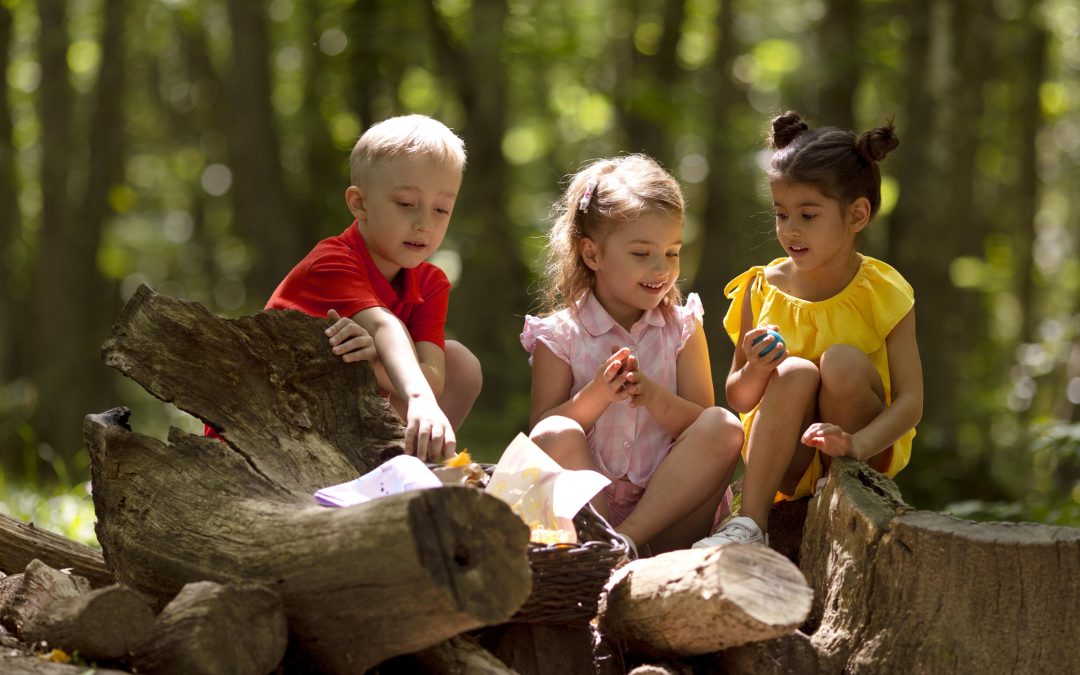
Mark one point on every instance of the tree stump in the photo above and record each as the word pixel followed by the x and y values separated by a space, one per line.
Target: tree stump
pixel 899 590
pixel 698 601
pixel 359 584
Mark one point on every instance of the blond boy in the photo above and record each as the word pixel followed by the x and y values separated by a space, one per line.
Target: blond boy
pixel 387 302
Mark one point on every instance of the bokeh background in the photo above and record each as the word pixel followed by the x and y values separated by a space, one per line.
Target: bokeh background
pixel 200 146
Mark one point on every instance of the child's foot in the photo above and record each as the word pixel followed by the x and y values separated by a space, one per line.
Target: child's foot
pixel 741 530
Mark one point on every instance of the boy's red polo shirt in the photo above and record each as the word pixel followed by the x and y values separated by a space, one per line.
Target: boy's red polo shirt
pixel 340 274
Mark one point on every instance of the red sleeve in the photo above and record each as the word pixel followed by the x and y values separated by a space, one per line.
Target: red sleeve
pixel 324 281
pixel 428 320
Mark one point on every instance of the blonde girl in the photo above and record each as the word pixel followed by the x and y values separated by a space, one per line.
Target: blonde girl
pixel 846 379
pixel 621 380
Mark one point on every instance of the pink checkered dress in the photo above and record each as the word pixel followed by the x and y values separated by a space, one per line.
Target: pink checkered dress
pixel 627 443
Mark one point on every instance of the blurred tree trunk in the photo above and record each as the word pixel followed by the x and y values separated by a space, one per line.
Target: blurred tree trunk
pixel 728 215
pixel 645 98
pixel 491 295
pixel 964 219
pixel 193 126
pixel 67 287
pixel 367 28
pixel 324 181
pixel 914 159
pixel 920 234
pixel 838 44
pixel 263 211
pixel 1032 63
pixel 51 302
pixel 10 217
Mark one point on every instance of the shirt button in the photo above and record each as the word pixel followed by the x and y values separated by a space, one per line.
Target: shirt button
pixel 626 444
pixel 632 347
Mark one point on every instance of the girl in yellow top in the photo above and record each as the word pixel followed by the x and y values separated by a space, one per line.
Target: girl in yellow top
pixel 845 378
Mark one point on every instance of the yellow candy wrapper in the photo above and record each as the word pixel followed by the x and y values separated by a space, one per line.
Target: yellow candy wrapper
pixel 543 494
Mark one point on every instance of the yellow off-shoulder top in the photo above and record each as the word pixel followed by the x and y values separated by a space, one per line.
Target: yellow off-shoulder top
pixel 862 315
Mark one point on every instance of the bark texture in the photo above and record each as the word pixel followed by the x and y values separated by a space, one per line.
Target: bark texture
pixel 699 601
pixel 60 609
pixel 22 542
pixel 209 628
pixel 359 584
pixel 900 590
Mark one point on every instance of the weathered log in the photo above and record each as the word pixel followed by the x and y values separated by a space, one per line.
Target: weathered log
pixel 268 382
pixel 19 664
pixel 22 542
pixel 460 655
pixel 37 587
pixel 698 601
pixel 61 610
pixel 898 590
pixel 8 586
pixel 538 649
pixel 210 628
pixel 668 668
pixel 437 562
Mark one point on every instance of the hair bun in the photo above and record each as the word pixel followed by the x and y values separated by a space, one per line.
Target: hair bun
pixel 873 144
pixel 786 127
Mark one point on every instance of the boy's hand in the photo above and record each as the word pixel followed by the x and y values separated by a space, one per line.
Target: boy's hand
pixel 349 340
pixel 428 433
pixel 610 377
pixel 756 363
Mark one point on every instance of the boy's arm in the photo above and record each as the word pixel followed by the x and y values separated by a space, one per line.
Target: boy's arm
pixel 677 411
pixel 428 434
pixel 433 365
pixel 432 361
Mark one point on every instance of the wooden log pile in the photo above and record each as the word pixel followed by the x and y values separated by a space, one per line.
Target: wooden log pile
pixel 222 562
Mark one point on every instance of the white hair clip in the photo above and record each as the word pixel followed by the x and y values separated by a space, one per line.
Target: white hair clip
pixel 586 198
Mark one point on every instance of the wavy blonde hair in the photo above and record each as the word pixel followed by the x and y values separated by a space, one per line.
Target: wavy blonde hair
pixel 625 188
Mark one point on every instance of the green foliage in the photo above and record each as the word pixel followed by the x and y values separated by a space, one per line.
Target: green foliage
pixel 64 509
pixel 584 79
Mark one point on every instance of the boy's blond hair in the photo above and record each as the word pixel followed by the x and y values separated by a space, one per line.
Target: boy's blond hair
pixel 401 136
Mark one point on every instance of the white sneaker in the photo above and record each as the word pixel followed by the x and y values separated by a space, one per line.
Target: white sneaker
pixel 741 530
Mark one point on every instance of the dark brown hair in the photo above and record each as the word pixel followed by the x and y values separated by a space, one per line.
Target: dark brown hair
pixel 843 165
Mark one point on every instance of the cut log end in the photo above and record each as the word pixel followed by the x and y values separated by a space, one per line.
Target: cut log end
pixel 466 542
pixel 692 602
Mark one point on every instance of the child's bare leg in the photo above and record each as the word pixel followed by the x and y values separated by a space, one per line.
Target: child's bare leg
pixel 701 461
pixel 564 440
pixel 462 385
pixel 773 453
pixel 851 393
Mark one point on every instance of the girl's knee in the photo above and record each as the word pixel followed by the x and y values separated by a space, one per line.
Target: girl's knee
pixel 796 373
pixel 844 368
pixel 554 430
pixel 722 429
pixel 463 369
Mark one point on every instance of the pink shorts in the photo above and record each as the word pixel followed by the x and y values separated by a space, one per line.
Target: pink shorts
pixel 622 496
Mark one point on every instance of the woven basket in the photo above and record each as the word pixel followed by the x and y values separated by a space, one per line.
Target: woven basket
pixel 568 578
